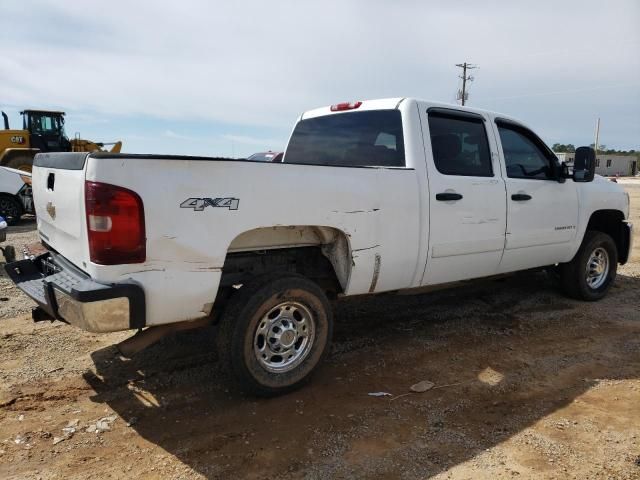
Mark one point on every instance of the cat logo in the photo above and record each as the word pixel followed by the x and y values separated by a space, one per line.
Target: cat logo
pixel 17 139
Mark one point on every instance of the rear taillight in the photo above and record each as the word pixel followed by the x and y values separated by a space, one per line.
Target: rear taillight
pixel 339 107
pixel 115 224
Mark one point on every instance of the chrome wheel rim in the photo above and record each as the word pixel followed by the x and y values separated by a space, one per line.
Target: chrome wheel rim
pixel 597 268
pixel 284 337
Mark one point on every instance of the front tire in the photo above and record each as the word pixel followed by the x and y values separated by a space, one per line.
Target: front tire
pixel 274 332
pixel 592 271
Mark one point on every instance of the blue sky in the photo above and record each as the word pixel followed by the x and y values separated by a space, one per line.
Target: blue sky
pixel 210 78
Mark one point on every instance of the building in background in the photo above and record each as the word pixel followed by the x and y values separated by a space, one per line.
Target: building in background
pixel 608 165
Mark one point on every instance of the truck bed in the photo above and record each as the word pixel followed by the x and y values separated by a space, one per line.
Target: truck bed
pixel 198 209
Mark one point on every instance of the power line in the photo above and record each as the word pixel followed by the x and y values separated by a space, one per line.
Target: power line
pixel 462 94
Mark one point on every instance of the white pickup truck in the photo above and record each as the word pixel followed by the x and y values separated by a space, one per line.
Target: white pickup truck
pixel 372 196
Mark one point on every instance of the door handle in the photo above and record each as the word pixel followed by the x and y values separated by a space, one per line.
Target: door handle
pixel 443 197
pixel 51 181
pixel 520 197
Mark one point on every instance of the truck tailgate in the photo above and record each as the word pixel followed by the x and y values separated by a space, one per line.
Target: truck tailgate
pixel 58 189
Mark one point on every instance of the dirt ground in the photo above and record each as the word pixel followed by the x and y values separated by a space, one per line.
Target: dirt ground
pixel 529 384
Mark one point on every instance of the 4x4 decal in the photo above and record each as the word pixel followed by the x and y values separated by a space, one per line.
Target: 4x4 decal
pixel 199 204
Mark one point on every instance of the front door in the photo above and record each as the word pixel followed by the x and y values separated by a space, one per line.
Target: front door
pixel 542 213
pixel 467 211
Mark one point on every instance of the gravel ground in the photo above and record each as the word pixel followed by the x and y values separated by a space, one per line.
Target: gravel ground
pixel 529 384
pixel 14 303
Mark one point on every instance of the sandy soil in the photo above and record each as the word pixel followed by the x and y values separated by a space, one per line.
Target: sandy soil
pixel 529 384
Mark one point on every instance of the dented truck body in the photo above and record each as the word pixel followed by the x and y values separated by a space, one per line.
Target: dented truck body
pixel 399 221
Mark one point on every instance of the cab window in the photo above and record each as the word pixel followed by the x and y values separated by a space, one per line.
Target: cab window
pixel 459 144
pixel 524 154
pixel 44 124
pixel 352 139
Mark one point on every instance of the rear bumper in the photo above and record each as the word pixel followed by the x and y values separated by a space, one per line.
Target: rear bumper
pixel 68 294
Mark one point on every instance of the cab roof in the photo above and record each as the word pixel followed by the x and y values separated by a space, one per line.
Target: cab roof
pixel 42 111
pixel 394 103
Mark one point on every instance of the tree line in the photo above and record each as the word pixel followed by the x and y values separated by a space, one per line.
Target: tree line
pixel 570 148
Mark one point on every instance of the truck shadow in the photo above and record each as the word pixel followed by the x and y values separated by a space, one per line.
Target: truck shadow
pixel 26 224
pixel 507 358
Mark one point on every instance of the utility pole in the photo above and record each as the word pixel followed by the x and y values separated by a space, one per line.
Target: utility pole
pixel 597 136
pixel 463 95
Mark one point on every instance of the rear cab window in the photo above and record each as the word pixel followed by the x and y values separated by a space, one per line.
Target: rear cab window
pixel 459 143
pixel 350 139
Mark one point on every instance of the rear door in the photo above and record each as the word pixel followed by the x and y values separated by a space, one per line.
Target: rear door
pixel 542 213
pixel 467 211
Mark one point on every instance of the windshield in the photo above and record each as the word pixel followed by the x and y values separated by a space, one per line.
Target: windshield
pixel 368 138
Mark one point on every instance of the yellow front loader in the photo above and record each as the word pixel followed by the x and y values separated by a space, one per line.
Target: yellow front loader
pixel 42 131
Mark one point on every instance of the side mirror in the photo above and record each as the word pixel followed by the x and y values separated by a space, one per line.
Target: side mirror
pixel 584 164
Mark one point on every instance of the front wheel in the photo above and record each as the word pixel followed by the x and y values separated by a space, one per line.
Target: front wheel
pixel 591 273
pixel 274 332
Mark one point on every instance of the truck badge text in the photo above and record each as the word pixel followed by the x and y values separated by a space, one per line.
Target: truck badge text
pixel 199 204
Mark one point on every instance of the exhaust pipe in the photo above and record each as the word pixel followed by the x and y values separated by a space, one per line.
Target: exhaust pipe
pixel 6 121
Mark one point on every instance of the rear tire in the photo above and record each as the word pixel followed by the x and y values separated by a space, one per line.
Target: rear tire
pixel 274 332
pixel 10 209
pixel 592 271
pixel 9 253
pixel 23 162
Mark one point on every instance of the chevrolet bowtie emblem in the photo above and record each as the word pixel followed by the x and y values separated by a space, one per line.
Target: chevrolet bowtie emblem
pixel 51 210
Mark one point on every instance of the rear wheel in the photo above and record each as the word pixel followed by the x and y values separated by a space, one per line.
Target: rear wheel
pixel 592 271
pixel 10 209
pixel 23 162
pixel 9 253
pixel 274 332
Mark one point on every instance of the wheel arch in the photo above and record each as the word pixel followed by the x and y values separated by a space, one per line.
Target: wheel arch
pixel 317 252
pixel 611 222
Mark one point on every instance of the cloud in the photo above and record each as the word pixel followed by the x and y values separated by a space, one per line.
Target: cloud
pixel 260 64
pixel 246 140
pixel 172 134
pixel 565 92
